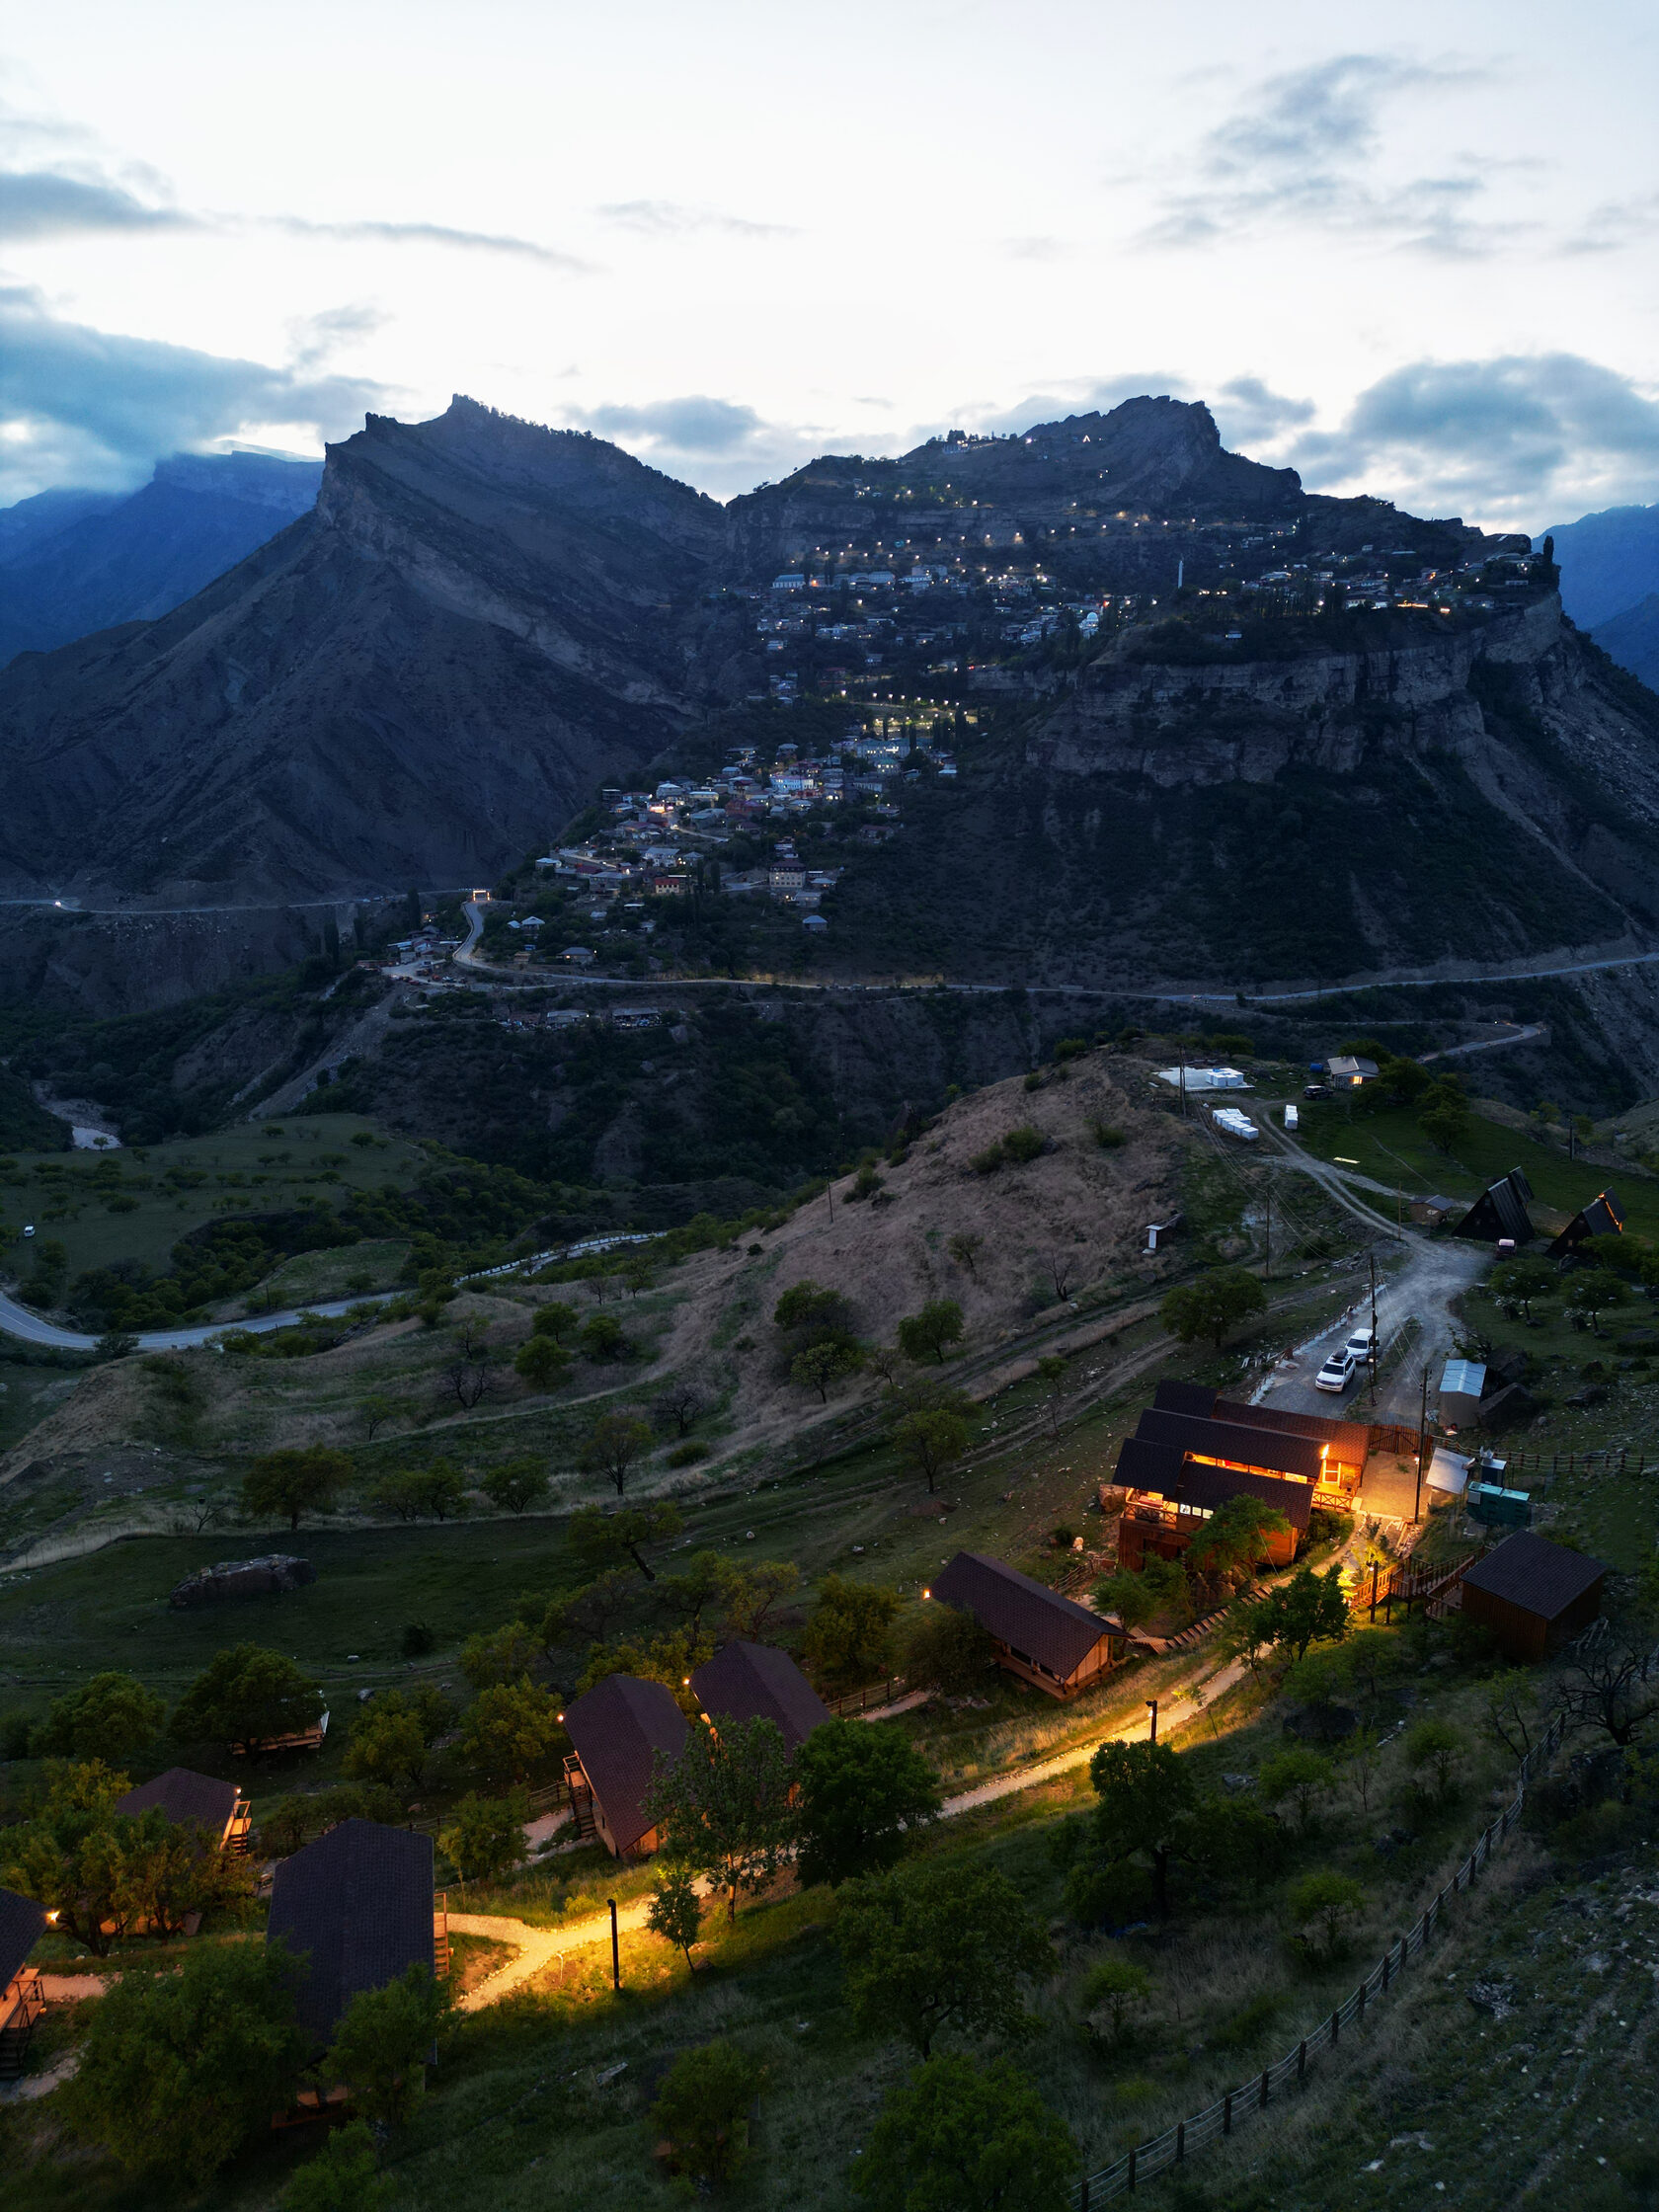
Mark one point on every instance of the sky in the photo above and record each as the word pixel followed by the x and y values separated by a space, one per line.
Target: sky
pixel 1408 251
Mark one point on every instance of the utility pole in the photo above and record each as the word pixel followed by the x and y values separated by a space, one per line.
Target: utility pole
pixel 1422 1449
pixel 615 1948
pixel 1267 1263
pixel 1370 1262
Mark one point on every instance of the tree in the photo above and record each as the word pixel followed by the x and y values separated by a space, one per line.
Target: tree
pixel 1309 1607
pixel 294 1482
pixel 864 1795
pixel 932 1441
pixel 375 1410
pixel 680 1404
pixel 601 1539
pixel 1232 1544
pixel 749 1593
pixel 505 1654
pixel 947 1650
pixel 604 1339
pixel 1213 1306
pixel 1297 1778
pixel 173 1868
pixel 703 2106
pixel 1443 1117
pixel 541 1363
pixel 808 1306
pixel 344 2176
pixel 1146 1802
pixel 1596 1288
pixel 1604 1683
pixel 69 1857
pixel 111 1717
pixel 178 2069
pixel 698 1590
pixel 517 1486
pixel 848 1636
pixel 1371 1658
pixel 1051 1369
pixel 1324 1906
pixel 1118 1989
pixel 676 1910
pixel 935 1946
pixel 1518 1283
pixel 486 1835
pixel 245 1696
pixel 380 2045
pixel 1433 1752
pixel 965 1248
pixel 723 1804
pixel 1129 1597
pixel 929 1334
pixel 511 1732
pixel 828 1360
pixel 614 1443
pixel 556 1321
pixel 388 1743
pixel 958 2137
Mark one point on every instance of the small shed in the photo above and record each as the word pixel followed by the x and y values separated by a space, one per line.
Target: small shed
pixel 356 1906
pixel 756 1682
pixel 22 1923
pixel 217 1806
pixel 1462 1385
pixel 1447 1473
pixel 1043 1638
pixel 1534 1595
pixel 618 1728
pixel 1432 1213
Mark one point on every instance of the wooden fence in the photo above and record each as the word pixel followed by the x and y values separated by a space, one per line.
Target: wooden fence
pixel 1569 1462
pixel 870 1698
pixel 1407 1585
pixel 1178 2142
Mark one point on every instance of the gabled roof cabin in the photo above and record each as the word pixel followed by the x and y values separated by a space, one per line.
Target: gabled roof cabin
pixel 22 1924
pixel 217 1806
pixel 1534 1595
pixel 356 1906
pixel 1043 1638
pixel 1346 1443
pixel 755 1681
pixel 1602 1217
pixel 1500 1212
pixel 617 1728
pixel 1236 1445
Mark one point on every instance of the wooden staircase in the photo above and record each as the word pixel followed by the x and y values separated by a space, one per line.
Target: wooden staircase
pixel 28 2003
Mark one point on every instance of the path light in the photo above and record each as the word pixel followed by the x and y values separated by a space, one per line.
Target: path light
pixel 928 1593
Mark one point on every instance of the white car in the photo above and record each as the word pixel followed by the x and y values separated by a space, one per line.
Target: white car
pixel 1361 1344
pixel 1337 1372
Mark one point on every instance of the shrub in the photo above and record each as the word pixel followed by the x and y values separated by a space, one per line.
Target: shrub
pixel 1115 1988
pixel 687 1455
pixel 1325 1906
pixel 946 1649
pixel 1432 1751
pixel 1023 1146
pixel 703 2110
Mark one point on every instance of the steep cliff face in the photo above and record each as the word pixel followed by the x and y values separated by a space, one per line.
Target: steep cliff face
pixel 409 685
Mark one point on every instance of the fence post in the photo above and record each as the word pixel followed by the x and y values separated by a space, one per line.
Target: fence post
pixel 1264 2089
pixel 1227 2113
pixel 1180 2141
pixel 1388 1958
pixel 1131 2158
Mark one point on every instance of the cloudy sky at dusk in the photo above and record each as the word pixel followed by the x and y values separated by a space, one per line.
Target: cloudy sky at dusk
pixel 1411 251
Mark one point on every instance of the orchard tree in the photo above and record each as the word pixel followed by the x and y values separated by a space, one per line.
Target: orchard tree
pixel 938 1945
pixel 517 1486
pixel 111 1717
pixel 849 1635
pixel 542 1363
pixel 246 1696
pixel 724 1806
pixel 1214 1306
pixel 832 1360
pixel 1518 1284
pixel 556 1321
pixel 960 2137
pixel 865 1794
pixel 294 1482
pixel 929 1334
pixel 614 1444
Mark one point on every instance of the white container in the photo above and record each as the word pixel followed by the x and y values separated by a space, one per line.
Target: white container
pixel 1293 1120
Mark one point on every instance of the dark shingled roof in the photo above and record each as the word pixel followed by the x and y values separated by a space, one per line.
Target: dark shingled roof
pixel 1211 1487
pixel 1500 1211
pixel 1144 1466
pixel 21 1923
pixel 1534 1575
pixel 1020 1613
pixel 1272 1449
pixel 1185 1397
pixel 1350 1440
pixel 183 1795
pixel 358 1901
pixel 616 1728
pixel 752 1680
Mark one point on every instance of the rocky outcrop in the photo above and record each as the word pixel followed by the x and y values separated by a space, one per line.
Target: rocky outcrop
pixel 242 1578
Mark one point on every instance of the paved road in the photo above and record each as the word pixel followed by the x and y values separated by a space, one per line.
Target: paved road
pixel 18 1321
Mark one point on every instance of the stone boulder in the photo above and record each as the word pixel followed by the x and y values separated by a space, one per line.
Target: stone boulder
pixel 243 1578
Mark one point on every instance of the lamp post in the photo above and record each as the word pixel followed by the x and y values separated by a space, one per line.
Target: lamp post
pixel 615 1948
pixel 1152 1707
pixel 1422 1448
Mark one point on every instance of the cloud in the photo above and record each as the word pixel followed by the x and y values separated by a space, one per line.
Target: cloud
pixel 316 339
pixel 42 203
pixel 1037 248
pixel 1495 440
pixel 1296 147
pixel 84 407
pixel 423 234
pixel 669 218
pixel 1249 416
pixel 1615 224
pixel 721 446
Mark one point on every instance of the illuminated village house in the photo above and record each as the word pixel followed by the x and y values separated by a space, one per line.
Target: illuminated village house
pixel 618 1728
pixel 1045 1639
pixel 22 1924
pixel 219 1807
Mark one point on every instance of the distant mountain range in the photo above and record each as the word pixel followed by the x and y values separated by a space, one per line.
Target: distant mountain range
pixel 75 562
pixel 480 621
pixel 1610 582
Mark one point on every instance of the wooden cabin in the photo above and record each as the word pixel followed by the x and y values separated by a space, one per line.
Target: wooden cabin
pixel 22 1923
pixel 1170 1497
pixel 1499 1214
pixel 1043 1638
pixel 754 1680
pixel 1343 1445
pixel 217 1806
pixel 618 1728
pixel 1602 1217
pixel 1534 1595
pixel 358 1906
